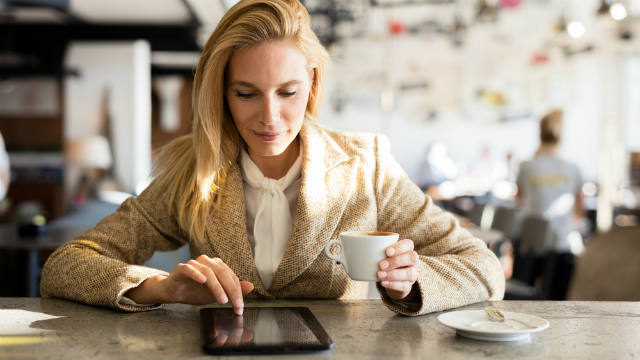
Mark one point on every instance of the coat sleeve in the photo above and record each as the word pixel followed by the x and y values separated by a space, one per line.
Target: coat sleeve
pixel 99 266
pixel 455 269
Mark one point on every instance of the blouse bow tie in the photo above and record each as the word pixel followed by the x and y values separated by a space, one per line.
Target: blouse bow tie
pixel 273 221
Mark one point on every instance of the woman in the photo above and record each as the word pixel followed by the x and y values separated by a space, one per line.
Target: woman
pixel 259 188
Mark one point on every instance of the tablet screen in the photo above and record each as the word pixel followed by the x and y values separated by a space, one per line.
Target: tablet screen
pixel 262 330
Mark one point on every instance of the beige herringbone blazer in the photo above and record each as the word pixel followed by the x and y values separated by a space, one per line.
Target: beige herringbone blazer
pixel 349 182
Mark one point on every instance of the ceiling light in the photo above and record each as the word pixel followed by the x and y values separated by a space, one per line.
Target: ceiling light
pixel 618 11
pixel 575 29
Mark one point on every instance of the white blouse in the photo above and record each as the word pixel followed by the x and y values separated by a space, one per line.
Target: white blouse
pixel 271 207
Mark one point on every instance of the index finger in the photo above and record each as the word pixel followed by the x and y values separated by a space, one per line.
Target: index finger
pixel 400 247
pixel 229 282
pixel 232 286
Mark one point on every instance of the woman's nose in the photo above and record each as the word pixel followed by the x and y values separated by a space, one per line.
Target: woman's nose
pixel 270 111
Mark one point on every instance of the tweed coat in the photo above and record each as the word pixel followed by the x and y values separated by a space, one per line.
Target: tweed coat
pixel 349 182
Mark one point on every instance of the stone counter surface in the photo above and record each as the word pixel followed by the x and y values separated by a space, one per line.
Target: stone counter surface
pixel 34 328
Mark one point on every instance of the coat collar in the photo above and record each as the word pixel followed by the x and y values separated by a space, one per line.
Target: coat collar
pixel 317 216
pixel 320 207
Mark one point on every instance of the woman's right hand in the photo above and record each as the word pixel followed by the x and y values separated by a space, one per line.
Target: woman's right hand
pixel 199 281
pixel 206 280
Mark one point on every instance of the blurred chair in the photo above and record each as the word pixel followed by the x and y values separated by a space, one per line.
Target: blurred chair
pixel 532 273
pixel 609 268
pixel 519 290
pixel 535 236
pixel 478 213
pixel 506 220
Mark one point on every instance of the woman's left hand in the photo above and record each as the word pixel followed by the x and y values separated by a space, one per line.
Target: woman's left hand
pixel 398 271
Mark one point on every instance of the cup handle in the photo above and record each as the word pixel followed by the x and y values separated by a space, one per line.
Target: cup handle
pixel 340 256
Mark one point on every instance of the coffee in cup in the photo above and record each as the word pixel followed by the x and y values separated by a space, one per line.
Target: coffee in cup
pixel 360 252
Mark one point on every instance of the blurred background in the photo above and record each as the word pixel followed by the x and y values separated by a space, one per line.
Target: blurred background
pixel 89 90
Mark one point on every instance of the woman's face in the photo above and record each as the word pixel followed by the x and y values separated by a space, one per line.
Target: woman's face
pixel 267 91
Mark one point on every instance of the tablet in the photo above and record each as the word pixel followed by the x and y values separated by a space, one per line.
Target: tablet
pixel 265 330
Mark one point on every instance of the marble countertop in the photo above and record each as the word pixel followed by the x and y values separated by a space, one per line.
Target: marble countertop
pixel 34 328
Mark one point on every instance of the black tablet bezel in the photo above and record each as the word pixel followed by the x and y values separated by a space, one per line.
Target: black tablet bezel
pixel 310 321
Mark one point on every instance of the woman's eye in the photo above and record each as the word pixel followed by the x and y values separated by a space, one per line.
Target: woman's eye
pixel 244 95
pixel 288 93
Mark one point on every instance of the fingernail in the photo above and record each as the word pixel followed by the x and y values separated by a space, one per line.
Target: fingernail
pixel 391 251
pixel 383 265
pixel 385 283
pixel 382 274
pixel 223 300
pixel 239 310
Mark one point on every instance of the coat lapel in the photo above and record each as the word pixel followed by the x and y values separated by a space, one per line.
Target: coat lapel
pixel 228 231
pixel 326 167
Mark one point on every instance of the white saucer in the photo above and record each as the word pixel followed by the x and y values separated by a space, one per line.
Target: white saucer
pixel 475 324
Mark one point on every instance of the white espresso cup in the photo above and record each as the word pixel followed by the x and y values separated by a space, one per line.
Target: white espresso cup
pixel 360 252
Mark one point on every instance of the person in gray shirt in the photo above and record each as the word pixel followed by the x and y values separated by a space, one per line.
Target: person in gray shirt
pixel 551 187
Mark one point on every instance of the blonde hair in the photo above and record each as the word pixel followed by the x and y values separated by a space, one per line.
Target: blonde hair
pixel 191 169
pixel 551 127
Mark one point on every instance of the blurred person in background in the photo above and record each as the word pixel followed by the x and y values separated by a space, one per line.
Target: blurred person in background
pixel 513 165
pixel 551 187
pixel 486 173
pixel 437 168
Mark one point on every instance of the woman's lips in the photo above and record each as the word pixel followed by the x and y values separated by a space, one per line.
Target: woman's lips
pixel 267 136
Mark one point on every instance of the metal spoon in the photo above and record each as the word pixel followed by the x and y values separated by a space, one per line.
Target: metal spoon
pixel 494 314
pixel 497 316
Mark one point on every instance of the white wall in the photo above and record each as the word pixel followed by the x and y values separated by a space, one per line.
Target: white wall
pixel 123 70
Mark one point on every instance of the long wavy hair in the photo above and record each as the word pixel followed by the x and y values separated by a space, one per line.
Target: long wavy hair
pixel 191 169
